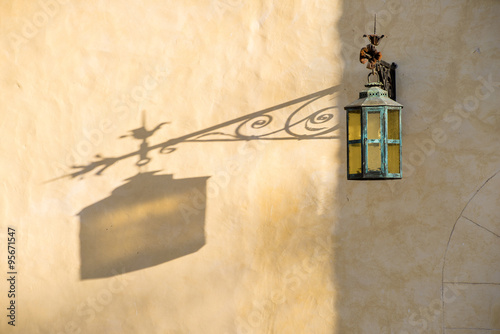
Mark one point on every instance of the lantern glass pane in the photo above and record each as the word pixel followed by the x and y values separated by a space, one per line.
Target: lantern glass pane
pixel 374 157
pixel 355 158
pixel 373 128
pixel 393 124
pixel 393 158
pixel 354 125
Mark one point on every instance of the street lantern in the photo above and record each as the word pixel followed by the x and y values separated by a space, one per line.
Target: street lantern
pixel 374 125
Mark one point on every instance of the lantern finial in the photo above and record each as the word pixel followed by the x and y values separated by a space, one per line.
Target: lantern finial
pixel 369 52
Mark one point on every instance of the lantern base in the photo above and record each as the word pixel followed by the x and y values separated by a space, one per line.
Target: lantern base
pixel 374 177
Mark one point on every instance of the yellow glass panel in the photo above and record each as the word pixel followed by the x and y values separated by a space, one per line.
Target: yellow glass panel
pixel 393 124
pixel 373 128
pixel 354 158
pixel 393 158
pixel 354 125
pixel 374 157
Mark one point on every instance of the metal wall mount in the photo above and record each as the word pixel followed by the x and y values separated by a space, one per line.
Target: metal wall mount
pixel 387 76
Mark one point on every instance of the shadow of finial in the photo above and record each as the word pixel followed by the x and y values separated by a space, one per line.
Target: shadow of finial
pixel 141 133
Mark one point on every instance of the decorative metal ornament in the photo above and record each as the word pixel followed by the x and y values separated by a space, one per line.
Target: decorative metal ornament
pixel 374 141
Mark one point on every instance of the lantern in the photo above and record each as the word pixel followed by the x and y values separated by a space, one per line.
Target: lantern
pixel 374 121
pixel 374 135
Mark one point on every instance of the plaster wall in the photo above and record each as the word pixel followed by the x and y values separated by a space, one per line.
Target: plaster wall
pixel 180 167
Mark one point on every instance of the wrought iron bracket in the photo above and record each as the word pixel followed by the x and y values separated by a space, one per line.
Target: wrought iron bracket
pixel 387 76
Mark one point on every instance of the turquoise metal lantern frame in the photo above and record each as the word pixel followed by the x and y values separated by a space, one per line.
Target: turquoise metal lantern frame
pixel 374 141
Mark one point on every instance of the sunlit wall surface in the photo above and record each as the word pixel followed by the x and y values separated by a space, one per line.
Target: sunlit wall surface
pixel 180 167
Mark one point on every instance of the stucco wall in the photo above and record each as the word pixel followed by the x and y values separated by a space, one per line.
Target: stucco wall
pixel 227 210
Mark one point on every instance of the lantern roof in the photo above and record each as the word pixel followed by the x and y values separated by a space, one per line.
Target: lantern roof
pixel 373 96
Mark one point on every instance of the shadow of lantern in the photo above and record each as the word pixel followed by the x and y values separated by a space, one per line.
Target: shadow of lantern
pixel 149 220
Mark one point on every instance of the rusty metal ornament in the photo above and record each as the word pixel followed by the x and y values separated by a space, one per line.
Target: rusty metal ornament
pixel 369 53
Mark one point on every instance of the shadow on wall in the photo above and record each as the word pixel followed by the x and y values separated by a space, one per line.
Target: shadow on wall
pixel 149 220
pixel 153 218
pixel 281 122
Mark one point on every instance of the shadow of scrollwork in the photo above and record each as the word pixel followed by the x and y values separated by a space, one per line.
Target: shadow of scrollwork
pixel 299 123
pixel 285 121
pixel 313 125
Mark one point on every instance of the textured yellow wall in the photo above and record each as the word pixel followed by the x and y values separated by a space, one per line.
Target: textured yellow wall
pixel 238 218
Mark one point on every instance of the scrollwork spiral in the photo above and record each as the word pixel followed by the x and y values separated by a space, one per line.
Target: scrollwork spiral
pixel 255 123
pixel 318 117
